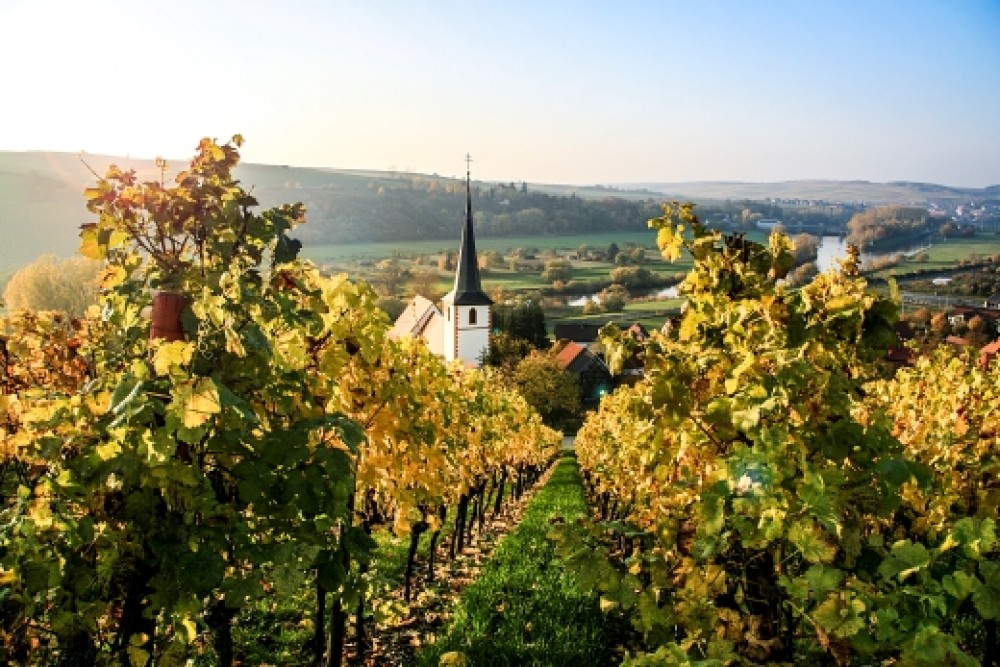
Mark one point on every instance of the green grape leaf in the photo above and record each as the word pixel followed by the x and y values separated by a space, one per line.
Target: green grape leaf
pixel 811 542
pixel 958 584
pixel 125 393
pixel 200 401
pixel 840 614
pixel 976 536
pixel 986 593
pixel 904 560
pixel 931 647
pixel 823 579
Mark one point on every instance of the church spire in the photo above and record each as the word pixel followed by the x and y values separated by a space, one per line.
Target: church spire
pixel 468 289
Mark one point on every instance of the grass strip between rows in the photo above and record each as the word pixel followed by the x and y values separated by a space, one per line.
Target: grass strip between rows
pixel 525 608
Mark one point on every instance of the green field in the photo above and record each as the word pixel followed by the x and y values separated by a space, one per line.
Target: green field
pixel 651 313
pixel 321 253
pixel 947 255
pixel 359 260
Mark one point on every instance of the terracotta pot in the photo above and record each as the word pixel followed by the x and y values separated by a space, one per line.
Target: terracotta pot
pixel 167 308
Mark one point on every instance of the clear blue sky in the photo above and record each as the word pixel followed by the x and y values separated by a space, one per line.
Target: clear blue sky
pixel 560 92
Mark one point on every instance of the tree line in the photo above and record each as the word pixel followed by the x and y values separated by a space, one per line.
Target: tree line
pixel 422 208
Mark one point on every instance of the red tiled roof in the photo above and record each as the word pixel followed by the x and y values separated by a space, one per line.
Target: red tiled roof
pixel 569 353
pixel 989 353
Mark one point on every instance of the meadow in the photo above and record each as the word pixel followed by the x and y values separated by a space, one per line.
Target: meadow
pixel 947 255
pixel 345 252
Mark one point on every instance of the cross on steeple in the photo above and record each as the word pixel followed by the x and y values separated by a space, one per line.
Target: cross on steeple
pixel 468 289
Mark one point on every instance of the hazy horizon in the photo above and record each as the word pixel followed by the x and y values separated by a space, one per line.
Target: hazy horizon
pixel 558 92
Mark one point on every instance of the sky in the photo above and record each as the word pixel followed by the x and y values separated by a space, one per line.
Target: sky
pixel 573 92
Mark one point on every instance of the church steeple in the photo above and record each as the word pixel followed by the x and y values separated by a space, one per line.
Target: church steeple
pixel 468 290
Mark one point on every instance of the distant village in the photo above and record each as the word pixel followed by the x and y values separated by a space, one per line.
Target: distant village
pixel 979 214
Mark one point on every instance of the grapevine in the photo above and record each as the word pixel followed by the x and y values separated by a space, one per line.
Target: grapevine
pixel 150 489
pixel 756 504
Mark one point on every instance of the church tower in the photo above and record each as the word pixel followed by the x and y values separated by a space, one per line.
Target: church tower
pixel 467 313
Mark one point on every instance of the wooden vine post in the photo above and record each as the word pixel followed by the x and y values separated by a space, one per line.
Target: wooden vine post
pixel 167 309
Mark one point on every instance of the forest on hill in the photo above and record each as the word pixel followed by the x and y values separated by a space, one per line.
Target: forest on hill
pixel 42 207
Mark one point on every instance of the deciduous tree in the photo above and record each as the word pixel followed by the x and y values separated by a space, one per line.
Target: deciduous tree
pixel 52 283
pixel 557 269
pixel 806 248
pixel 548 388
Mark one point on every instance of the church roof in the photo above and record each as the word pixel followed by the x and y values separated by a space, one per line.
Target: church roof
pixel 468 290
pixel 421 319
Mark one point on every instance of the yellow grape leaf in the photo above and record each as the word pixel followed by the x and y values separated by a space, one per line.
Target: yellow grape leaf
pixel 201 403
pixel 41 514
pixel 117 238
pixel 137 656
pixel 190 629
pixel 39 413
pixel 89 246
pixel 98 403
pixel 172 354
pixel 108 450
pixel 689 326
pixel 233 343
pixel 453 659
pixel 949 542
pixel 111 276
pixel 401 525
pixel 670 242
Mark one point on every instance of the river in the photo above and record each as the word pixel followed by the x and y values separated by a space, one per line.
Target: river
pixel 658 292
pixel 832 248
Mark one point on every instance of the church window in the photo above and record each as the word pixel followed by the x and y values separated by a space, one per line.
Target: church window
pixel 472 316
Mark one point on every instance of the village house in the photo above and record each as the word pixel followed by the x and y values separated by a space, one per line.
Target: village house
pixel 594 376
pixel 962 314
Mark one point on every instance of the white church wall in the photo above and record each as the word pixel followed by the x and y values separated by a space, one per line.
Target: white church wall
pixel 472 343
pixel 463 340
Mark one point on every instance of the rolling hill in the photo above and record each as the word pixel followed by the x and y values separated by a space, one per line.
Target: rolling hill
pixel 42 205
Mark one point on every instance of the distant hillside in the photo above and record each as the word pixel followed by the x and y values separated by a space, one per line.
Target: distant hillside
pixel 899 192
pixel 42 206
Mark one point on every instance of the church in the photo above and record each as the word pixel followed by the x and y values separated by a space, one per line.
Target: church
pixel 462 330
